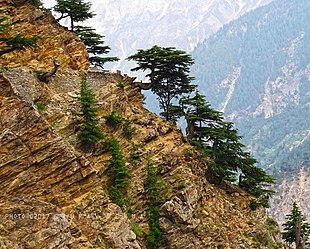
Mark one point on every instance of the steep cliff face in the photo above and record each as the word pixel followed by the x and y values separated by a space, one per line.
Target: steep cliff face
pixel 53 195
pixel 56 40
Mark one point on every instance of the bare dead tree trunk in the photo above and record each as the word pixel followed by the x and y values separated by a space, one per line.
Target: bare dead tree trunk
pixel 190 130
pixel 299 240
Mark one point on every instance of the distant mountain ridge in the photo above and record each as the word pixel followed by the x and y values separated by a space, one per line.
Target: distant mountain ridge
pixel 257 70
pixel 137 24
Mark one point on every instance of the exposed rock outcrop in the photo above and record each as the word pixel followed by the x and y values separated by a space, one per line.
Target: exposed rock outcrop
pixel 41 165
pixel 56 42
pixel 53 195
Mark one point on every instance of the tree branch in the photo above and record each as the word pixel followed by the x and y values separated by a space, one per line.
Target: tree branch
pixel 61 17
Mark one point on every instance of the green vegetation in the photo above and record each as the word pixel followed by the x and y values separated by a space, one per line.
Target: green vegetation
pixel 90 132
pixel 272 225
pixel 168 73
pixel 219 140
pixel 79 11
pixel 188 153
pixel 296 229
pixel 36 3
pixel 75 10
pixel 95 46
pixel 134 155
pixel 118 174
pixel 206 129
pixel 254 204
pixel 264 237
pixel 41 107
pixel 16 42
pixel 263 44
pixel 128 131
pixel 120 85
pixel 153 188
pixel 137 230
pixel 113 119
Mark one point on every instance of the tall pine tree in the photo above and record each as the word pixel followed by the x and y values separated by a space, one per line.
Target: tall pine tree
pixel 90 132
pixel 168 70
pixel 220 141
pixel 296 229
pixel 75 10
pixel 79 11
pixel 199 115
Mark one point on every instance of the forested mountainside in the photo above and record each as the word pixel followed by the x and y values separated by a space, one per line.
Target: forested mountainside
pixel 257 70
pixel 131 25
pixel 55 194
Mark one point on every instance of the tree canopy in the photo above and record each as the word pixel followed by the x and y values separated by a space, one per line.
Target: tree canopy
pixel 94 45
pixel 75 10
pixel 79 11
pixel 296 229
pixel 36 3
pixel 220 141
pixel 168 70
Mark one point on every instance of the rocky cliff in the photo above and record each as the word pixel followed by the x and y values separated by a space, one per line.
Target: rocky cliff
pixel 53 195
pixel 56 40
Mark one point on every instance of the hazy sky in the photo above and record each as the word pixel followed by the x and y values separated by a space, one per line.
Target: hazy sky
pixel 48 3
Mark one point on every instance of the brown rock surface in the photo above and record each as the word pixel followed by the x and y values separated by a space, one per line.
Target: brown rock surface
pixel 290 189
pixel 57 41
pixel 53 195
pixel 43 171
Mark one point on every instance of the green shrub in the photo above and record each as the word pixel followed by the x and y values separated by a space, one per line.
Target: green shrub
pixel 272 225
pixel 36 3
pixel 190 166
pixel 90 132
pixel 113 119
pixel 153 187
pixel 251 222
pixel 128 131
pixel 137 230
pixel 188 153
pixel 129 211
pixel 120 85
pixel 118 174
pixel 181 185
pixel 41 107
pixel 247 235
pixel 134 155
pixel 253 205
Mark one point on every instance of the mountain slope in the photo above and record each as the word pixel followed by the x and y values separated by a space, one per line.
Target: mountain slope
pixel 56 39
pixel 173 23
pixel 256 70
pixel 54 195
